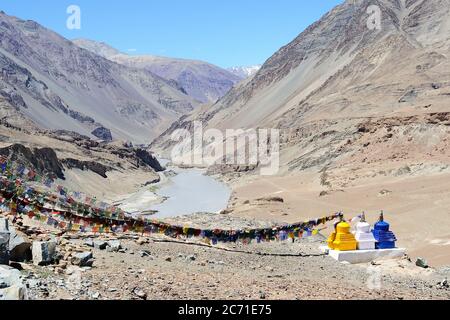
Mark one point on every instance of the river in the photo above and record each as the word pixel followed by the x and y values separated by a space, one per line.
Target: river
pixel 190 191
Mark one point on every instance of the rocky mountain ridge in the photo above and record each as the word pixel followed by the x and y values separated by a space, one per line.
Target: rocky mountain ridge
pixel 201 80
pixel 58 85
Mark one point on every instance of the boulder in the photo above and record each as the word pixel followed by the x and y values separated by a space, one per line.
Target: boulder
pixel 19 248
pixel 83 259
pixel 140 293
pixel 11 286
pixel 422 263
pixel 4 247
pixel 113 246
pixel 89 243
pixel 100 244
pixel 144 253
pixel 44 252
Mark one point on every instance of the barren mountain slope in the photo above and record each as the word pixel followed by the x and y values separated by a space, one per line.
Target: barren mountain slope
pixel 201 80
pixel 323 88
pixel 61 86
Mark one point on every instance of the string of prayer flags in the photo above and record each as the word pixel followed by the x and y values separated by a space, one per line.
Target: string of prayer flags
pixel 77 212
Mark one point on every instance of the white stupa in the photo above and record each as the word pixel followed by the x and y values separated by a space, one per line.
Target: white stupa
pixel 364 236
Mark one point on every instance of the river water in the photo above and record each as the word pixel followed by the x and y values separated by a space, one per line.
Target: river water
pixel 190 191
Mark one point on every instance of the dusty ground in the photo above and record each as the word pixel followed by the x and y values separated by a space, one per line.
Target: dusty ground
pixel 158 267
pixel 180 271
pixel 416 206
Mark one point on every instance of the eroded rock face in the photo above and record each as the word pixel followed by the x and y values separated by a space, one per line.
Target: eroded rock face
pixel 103 134
pixel 44 160
pixel 93 166
pixel 149 159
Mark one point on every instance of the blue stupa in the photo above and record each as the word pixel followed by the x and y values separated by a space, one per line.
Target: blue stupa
pixel 385 239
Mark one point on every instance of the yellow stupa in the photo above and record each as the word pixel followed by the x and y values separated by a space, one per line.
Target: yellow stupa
pixel 342 239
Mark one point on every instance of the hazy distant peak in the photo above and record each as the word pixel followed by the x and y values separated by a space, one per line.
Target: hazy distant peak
pixel 201 80
pixel 245 72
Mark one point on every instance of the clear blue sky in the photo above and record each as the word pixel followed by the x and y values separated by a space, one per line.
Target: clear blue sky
pixel 223 32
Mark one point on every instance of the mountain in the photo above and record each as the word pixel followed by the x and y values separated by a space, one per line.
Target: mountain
pixel 349 97
pixel 57 85
pixel 201 80
pixel 245 72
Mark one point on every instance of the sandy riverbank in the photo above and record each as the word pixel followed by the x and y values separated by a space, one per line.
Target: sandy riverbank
pixel 418 208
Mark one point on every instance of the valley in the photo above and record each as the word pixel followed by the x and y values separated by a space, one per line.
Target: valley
pixel 362 118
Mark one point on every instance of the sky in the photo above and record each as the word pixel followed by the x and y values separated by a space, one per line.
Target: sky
pixel 223 32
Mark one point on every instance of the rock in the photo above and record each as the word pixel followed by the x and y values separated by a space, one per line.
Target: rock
pixel 43 252
pixel 269 269
pixel 409 96
pixel 422 263
pixel 262 295
pixel 67 256
pixel 114 246
pixel 191 257
pixel 4 224
pixel 168 259
pixel 443 284
pixel 11 286
pixel 226 211
pixel 83 259
pixel 4 247
pixel 93 166
pixel 141 241
pixel 384 192
pixel 103 134
pixel 148 159
pixel 59 270
pixel 144 253
pixel 100 244
pixel 95 295
pixel 140 293
pixel 19 248
pixel 89 243
pixel 271 199
pixel 153 181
